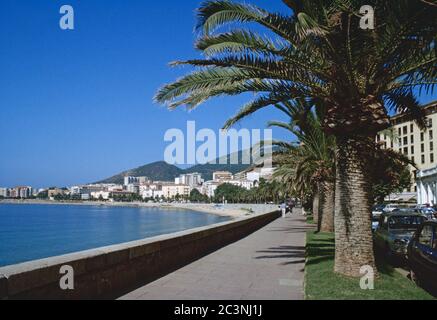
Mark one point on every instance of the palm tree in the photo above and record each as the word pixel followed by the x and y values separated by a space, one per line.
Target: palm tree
pixel 313 158
pixel 319 51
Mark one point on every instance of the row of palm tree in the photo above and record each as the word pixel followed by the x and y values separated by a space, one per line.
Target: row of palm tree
pixel 308 165
pixel 317 51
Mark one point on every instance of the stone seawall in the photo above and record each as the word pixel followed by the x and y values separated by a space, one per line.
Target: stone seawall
pixel 109 272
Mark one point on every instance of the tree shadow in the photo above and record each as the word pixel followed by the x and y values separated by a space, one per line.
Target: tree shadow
pixel 295 253
pixel 291 229
pixel 320 250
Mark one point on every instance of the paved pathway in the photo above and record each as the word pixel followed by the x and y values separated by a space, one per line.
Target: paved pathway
pixel 267 264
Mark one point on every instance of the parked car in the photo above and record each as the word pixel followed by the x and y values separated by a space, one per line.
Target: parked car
pixel 395 231
pixel 429 213
pixel 378 209
pixel 375 221
pixel 390 208
pixel 422 255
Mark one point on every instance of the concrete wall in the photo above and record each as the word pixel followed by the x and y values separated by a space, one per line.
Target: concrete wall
pixel 109 272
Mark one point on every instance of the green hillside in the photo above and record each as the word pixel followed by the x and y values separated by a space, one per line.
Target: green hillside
pixel 162 171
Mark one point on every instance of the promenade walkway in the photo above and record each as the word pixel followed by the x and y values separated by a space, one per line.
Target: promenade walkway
pixel 267 264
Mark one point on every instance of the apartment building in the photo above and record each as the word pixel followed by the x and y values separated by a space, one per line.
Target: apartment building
pixel 172 190
pixel 209 188
pixel 136 180
pixel 419 145
pixel 222 176
pixel 191 179
pixel 4 192
pixel 51 193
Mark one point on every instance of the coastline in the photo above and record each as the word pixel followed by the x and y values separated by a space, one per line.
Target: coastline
pixel 228 210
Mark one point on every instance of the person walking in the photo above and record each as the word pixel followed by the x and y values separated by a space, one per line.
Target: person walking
pixel 284 209
pixel 291 205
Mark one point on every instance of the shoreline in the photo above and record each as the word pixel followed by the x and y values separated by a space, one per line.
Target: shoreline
pixel 227 210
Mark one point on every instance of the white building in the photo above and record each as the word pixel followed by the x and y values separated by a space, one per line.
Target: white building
pixel 190 179
pixel 152 194
pixel 246 184
pixel 427 186
pixel 153 191
pixel 21 192
pixel 256 174
pixel 4 192
pixel 209 188
pixel 133 188
pixel 172 190
pixel 75 190
pixel 105 195
pixel 135 180
pixel 222 176
pixel 114 187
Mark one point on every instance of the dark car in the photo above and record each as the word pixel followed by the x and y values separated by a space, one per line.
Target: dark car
pixel 429 213
pixel 422 255
pixel 395 231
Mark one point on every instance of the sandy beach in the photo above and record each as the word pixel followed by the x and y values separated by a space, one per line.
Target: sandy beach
pixel 228 210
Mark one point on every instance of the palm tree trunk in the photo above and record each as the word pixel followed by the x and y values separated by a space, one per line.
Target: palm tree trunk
pixel 327 203
pixel 353 231
pixel 316 205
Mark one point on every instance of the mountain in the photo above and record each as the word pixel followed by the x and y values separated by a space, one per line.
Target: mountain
pixel 208 169
pixel 162 171
pixel 157 171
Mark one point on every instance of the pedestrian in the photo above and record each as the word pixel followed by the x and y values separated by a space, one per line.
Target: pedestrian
pixel 284 209
pixel 292 205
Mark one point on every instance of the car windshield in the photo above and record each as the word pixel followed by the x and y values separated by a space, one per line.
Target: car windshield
pixel 405 222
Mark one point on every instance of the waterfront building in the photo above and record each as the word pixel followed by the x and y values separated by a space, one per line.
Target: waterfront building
pixel 133 188
pixel 246 184
pixel 75 190
pixel 209 188
pixel 241 175
pixel 4 192
pixel 191 179
pixel 105 195
pixel 114 187
pixel 53 192
pixel 222 176
pixel 136 180
pixel 22 192
pixel 85 196
pixel 152 194
pixel 25 192
pixel 172 190
pixel 13 193
pixel 417 144
pixel 256 174
pixel 153 190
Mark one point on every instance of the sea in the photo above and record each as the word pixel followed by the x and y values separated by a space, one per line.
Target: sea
pixel 36 231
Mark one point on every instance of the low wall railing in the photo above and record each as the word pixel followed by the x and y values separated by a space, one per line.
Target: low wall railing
pixel 109 272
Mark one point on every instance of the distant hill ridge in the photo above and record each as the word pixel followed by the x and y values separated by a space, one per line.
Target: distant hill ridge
pixel 162 171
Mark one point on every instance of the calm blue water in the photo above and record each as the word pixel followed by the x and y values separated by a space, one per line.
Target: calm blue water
pixel 29 232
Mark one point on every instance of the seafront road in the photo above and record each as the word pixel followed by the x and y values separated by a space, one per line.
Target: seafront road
pixel 266 265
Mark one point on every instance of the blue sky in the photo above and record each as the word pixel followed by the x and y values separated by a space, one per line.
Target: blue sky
pixel 76 106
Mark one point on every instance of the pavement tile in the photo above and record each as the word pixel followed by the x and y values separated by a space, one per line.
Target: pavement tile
pixel 267 264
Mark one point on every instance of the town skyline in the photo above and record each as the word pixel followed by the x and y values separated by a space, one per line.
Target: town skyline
pixel 71 126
